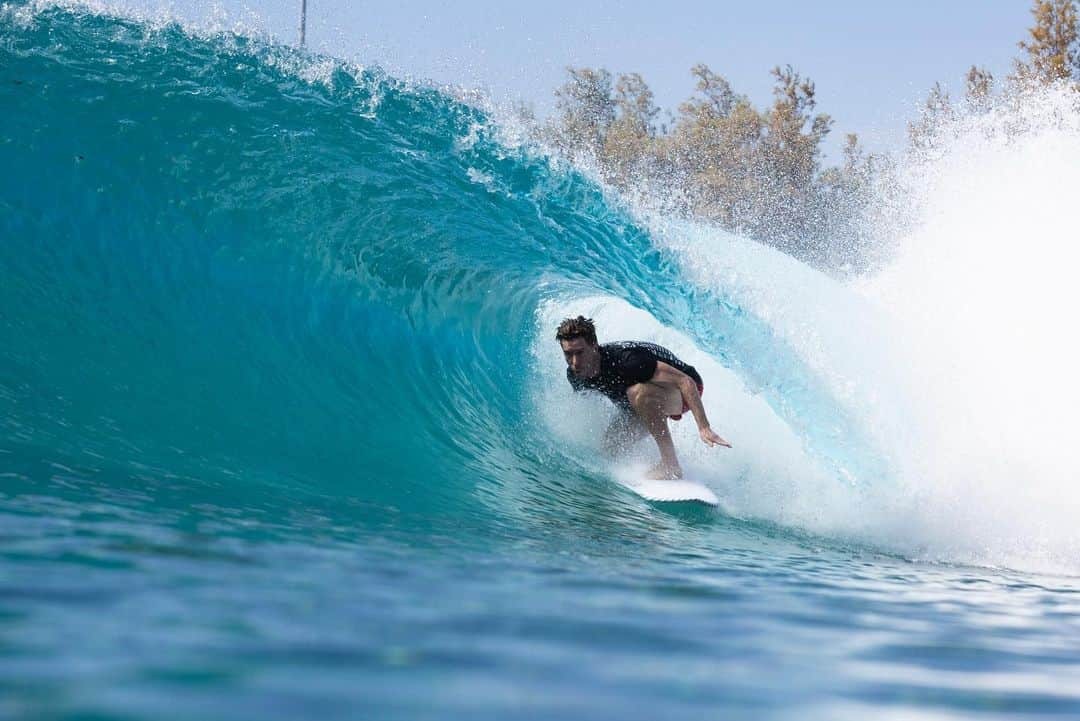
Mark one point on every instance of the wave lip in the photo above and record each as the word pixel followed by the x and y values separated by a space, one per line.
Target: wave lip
pixel 229 255
pixel 277 268
pixel 945 375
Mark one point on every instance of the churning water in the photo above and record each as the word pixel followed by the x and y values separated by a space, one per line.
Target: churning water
pixel 284 431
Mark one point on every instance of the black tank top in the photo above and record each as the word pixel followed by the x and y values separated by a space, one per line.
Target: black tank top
pixel 625 363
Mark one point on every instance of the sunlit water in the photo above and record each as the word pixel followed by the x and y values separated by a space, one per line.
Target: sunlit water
pixel 284 432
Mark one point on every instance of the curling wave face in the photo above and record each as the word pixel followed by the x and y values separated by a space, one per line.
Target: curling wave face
pixel 246 267
pixel 229 259
pixel 222 257
pixel 282 417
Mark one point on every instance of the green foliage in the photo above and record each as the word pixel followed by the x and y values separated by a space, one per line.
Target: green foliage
pixel 759 171
pixel 936 112
pixel 1051 55
pixel 978 89
pixel 1052 50
pixel 586 109
pixel 629 140
pixel 756 171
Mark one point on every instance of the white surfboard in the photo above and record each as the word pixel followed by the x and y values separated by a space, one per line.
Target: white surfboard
pixel 682 490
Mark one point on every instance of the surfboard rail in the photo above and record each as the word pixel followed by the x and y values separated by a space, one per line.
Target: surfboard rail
pixel 671 491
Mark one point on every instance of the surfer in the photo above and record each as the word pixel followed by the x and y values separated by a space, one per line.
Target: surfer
pixel 645 381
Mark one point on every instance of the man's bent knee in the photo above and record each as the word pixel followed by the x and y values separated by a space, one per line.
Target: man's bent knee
pixel 641 396
pixel 648 398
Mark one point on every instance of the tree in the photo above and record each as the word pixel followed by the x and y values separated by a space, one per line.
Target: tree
pixel 794 135
pixel 1052 51
pixel 789 156
pixel 979 85
pixel 586 110
pixel 847 211
pixel 755 171
pixel 629 140
pixel 635 105
pixel 718 99
pixel 935 113
pixel 714 145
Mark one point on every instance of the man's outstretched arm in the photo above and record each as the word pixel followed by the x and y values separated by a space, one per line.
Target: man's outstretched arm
pixel 668 375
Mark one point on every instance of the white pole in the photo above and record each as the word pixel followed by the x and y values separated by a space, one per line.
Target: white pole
pixel 303 22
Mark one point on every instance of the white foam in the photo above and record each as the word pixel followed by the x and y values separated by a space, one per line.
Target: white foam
pixel 665 490
pixel 982 298
pixel 766 474
pixel 959 360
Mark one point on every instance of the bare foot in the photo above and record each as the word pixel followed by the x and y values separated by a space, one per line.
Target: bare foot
pixel 663 472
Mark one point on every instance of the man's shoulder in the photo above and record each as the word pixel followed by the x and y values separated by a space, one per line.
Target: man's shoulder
pixel 638 351
pixel 623 347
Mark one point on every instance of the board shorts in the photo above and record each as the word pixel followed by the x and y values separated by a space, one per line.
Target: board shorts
pixel 685 408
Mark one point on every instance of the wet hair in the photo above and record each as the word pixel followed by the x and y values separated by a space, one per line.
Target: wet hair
pixel 580 327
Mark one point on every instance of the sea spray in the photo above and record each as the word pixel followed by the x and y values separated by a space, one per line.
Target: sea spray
pixel 953 365
pixel 980 300
pixel 284 431
pixel 304 275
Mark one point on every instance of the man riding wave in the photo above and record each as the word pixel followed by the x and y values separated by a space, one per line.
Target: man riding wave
pixel 646 382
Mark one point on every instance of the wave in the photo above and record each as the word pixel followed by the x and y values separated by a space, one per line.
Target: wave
pixel 227 261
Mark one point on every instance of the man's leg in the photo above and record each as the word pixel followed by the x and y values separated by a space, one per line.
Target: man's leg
pixel 624 431
pixel 653 404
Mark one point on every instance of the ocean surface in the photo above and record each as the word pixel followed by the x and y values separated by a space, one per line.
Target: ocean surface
pixel 284 432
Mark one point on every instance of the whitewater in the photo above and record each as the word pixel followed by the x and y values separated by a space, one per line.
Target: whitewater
pixel 285 433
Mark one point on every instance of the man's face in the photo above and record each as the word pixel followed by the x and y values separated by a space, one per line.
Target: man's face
pixel 582 357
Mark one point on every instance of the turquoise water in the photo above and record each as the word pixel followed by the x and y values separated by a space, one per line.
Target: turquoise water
pixel 283 435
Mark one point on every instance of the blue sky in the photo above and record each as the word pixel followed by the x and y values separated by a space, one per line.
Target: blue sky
pixel 872 62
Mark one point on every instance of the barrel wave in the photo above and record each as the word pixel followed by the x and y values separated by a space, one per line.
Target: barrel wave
pixel 258 269
pixel 221 257
pixel 283 425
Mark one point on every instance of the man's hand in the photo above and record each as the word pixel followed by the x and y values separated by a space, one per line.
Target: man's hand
pixel 711 439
